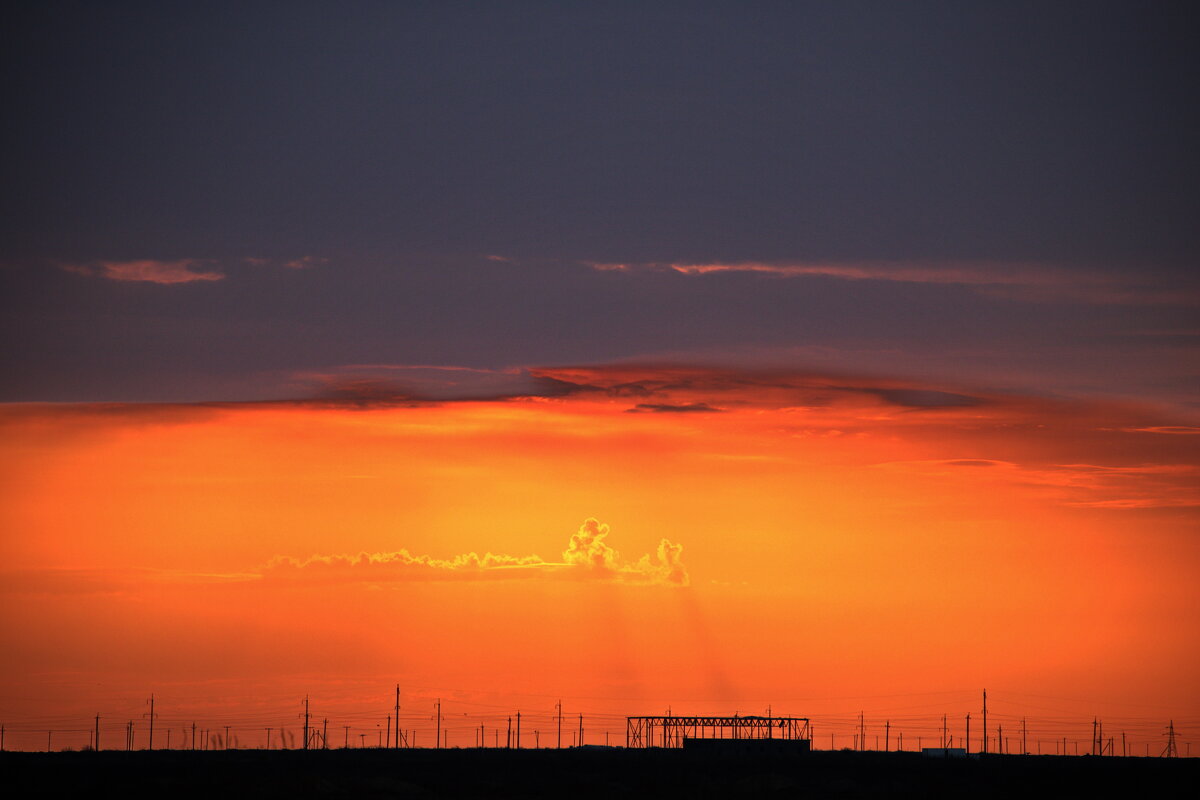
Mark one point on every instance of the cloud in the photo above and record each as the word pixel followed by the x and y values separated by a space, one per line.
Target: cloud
pixel 669 408
pixel 370 385
pixel 587 557
pixel 692 389
pixel 148 271
pixel 923 398
pixel 1099 486
pixel 1027 282
pixel 305 262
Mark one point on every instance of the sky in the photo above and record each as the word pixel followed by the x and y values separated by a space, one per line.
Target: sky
pixel 827 357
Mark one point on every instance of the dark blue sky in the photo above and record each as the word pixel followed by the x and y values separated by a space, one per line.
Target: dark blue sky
pixel 1044 150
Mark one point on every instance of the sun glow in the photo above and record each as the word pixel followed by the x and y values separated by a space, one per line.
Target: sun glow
pixel 753 539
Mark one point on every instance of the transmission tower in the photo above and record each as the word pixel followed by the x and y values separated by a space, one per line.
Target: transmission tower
pixel 1171 751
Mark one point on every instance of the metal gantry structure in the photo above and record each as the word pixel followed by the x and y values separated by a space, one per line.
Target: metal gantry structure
pixel 671 731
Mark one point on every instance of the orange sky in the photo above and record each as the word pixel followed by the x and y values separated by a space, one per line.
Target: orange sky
pixel 846 544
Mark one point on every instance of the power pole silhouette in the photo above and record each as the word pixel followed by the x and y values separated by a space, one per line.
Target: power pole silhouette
pixel 269 738
pixel 1024 745
pixel 967 740
pixel 397 742
pixel 226 737
pixel 985 733
pixel 1094 739
pixel 559 708
pixel 151 701
pixel 944 731
pixel 508 736
pixel 1 738
pixel 438 738
pixel 346 743
pixel 518 730
pixel 194 735
pixel 581 730
pixel 305 722
pixel 862 732
pixel 1171 750
pixel 389 732
pixel 887 736
pixel 97 745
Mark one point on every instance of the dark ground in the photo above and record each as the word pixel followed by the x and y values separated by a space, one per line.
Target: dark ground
pixel 580 774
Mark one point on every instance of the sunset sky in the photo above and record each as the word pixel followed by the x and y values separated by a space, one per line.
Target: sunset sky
pixel 819 357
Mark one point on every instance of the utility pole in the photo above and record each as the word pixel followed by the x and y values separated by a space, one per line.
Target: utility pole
pixel 1094 740
pixel 581 730
pixel 305 722
pixel 151 701
pixel 1024 745
pixel 325 734
pixel 1123 752
pixel 389 732
pixel 194 735
pixel 518 730
pixel 508 736
pixel 269 738
pixel 985 733
pixel 887 736
pixel 397 742
pixel 967 740
pixel 346 744
pixel 862 732
pixel 97 745
pixel 559 709
pixel 944 731
pixel 438 738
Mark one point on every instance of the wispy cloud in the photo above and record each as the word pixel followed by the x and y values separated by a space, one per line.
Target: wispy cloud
pixel 149 271
pixel 305 262
pixel 1101 486
pixel 1031 282
pixel 588 556
pixel 691 389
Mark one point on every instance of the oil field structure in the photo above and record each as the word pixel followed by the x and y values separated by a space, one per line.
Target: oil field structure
pixel 791 734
